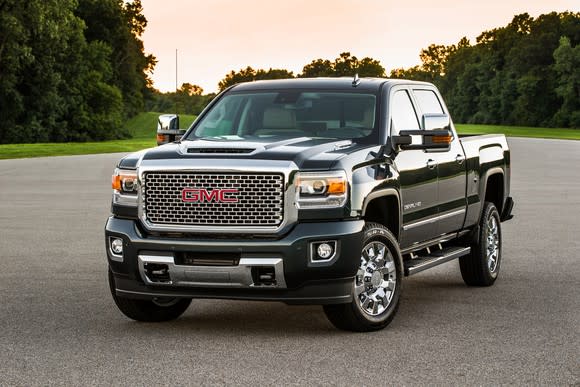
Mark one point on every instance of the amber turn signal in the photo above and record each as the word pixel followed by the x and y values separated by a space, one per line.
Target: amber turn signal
pixel 442 139
pixel 116 182
pixel 336 186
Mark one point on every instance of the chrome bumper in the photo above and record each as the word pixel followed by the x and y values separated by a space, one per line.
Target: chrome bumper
pixel 239 276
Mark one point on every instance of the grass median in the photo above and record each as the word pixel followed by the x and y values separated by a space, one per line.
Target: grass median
pixel 520 131
pixel 143 130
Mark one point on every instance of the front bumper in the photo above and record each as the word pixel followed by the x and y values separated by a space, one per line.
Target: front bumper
pixel 298 278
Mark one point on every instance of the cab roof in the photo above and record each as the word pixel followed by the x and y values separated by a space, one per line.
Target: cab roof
pixel 342 83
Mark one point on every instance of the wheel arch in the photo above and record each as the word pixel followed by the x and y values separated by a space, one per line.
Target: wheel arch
pixel 493 189
pixel 383 207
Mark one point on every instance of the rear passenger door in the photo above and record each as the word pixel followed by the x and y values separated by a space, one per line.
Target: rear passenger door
pixel 417 174
pixel 451 195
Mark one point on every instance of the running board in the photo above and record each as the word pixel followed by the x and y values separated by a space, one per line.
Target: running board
pixel 417 265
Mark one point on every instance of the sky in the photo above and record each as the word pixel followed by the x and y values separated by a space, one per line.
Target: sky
pixel 213 37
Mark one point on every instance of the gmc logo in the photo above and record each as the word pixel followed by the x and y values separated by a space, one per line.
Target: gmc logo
pixel 195 195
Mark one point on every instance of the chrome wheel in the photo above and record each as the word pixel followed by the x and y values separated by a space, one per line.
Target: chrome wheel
pixel 492 245
pixel 376 278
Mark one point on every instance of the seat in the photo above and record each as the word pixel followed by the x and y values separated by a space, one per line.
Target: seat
pixel 279 121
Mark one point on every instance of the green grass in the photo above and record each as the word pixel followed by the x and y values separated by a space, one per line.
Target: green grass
pixel 520 131
pixel 144 127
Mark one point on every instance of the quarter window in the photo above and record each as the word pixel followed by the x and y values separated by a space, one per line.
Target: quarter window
pixel 428 102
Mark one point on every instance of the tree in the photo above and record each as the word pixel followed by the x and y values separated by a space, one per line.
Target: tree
pixel 369 67
pixel 120 24
pixel 189 89
pixel 42 85
pixel 273 74
pixel 318 68
pixel 566 65
pixel 249 74
pixel 346 65
pixel 58 85
pixel 519 74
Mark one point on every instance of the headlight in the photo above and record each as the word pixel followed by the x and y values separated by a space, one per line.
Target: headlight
pixel 321 189
pixel 125 181
pixel 125 187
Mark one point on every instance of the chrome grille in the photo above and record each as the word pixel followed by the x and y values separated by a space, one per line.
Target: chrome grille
pixel 260 199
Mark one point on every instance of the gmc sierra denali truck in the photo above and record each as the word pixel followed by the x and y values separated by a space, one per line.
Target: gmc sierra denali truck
pixel 307 191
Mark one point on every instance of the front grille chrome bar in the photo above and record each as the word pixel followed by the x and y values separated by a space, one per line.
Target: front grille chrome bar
pixel 257 200
pixel 254 199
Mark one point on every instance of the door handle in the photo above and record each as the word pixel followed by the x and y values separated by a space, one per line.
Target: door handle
pixel 431 164
pixel 460 159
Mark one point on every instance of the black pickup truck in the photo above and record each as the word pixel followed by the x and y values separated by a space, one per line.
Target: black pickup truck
pixel 307 191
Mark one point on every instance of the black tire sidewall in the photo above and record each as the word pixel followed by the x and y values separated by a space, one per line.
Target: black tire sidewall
pixel 145 310
pixel 474 266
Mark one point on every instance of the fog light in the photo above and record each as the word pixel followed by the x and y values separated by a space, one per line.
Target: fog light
pixel 323 251
pixel 117 246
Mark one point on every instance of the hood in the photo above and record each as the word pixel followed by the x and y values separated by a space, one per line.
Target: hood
pixel 305 152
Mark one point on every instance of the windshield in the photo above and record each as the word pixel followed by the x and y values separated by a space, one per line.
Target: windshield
pixel 290 113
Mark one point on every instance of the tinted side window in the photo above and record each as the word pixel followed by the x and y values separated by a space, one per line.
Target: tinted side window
pixel 403 115
pixel 428 101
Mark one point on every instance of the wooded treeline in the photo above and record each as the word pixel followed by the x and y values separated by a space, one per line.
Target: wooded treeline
pixel 71 70
pixel 526 73
pixel 75 70
pixel 190 99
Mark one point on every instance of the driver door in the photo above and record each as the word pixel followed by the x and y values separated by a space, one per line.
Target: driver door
pixel 417 174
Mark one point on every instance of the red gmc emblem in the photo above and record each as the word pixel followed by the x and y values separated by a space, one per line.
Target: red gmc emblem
pixel 200 195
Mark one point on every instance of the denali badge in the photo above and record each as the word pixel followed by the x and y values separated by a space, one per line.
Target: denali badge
pixel 195 195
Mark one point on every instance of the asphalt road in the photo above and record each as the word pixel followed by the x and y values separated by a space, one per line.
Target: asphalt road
pixel 58 323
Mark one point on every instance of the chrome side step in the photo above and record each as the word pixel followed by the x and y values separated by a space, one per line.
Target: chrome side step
pixel 417 265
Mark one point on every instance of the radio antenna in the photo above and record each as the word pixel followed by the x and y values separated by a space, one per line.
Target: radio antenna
pixel 356 80
pixel 176 112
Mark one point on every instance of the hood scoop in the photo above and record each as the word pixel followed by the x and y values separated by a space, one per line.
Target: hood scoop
pixel 343 145
pixel 221 150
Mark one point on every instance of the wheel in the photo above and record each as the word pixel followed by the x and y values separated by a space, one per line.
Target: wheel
pixel 156 310
pixel 376 287
pixel 481 266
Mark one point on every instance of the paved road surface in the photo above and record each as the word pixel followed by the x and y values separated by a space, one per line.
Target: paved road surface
pixel 58 323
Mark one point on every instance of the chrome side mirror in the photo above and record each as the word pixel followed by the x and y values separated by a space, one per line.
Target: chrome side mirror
pixel 436 122
pixel 168 129
pixel 438 139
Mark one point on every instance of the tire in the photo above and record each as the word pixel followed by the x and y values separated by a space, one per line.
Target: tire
pixel 149 311
pixel 377 285
pixel 481 266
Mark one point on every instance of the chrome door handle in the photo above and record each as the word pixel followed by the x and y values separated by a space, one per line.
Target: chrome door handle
pixel 460 159
pixel 431 164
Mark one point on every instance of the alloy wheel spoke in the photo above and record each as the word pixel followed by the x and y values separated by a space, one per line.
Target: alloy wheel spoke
pixel 366 303
pixel 388 284
pixel 375 282
pixel 358 289
pixel 380 249
pixel 388 268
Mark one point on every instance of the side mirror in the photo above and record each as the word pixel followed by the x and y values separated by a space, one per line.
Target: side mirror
pixel 436 134
pixel 168 129
pixel 436 122
pixel 432 139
